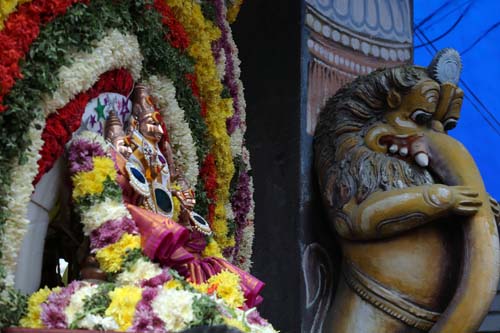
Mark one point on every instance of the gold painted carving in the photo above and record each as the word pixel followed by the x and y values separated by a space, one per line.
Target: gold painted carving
pixel 408 205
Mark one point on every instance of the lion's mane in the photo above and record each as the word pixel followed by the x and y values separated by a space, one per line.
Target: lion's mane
pixel 346 167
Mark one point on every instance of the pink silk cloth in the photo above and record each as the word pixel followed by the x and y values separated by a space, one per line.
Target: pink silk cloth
pixel 172 245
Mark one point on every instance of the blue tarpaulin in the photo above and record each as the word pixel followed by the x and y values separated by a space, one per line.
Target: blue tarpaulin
pixel 473 28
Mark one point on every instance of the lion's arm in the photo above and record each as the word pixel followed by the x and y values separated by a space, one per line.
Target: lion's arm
pixel 384 214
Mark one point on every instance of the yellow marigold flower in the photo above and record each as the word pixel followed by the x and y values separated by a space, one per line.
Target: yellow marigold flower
pixel 228 288
pixel 111 257
pixel 202 287
pixel 177 208
pixel 202 32
pixel 92 182
pixel 122 306
pixel 212 249
pixel 173 284
pixel 236 324
pixel 105 166
pixel 32 317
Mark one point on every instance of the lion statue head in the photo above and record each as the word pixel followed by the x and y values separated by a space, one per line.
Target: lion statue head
pixel 351 158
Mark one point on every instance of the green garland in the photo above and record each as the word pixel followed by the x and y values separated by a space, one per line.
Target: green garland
pixel 13 306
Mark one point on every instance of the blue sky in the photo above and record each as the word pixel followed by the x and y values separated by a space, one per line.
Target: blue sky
pixel 473 28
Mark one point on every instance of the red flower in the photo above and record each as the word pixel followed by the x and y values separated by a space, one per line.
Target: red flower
pixel 21 29
pixel 192 81
pixel 212 288
pixel 177 36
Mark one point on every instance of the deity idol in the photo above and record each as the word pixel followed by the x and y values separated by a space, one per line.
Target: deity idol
pixel 149 182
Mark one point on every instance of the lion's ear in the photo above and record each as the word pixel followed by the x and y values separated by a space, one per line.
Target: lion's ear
pixel 393 99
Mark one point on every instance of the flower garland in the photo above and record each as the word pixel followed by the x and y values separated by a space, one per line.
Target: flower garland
pixel 202 32
pixel 176 36
pixel 61 125
pixel 115 50
pixel 53 76
pixel 21 29
pixel 17 199
pixel 168 307
pixel 242 198
pixel 7 7
pixel 181 139
pixel 142 294
pixel 56 133
pixel 23 101
pixel 244 255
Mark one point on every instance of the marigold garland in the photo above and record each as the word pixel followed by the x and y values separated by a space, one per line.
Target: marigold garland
pixel 111 257
pixel 202 32
pixel 171 307
pixel 122 307
pixel 226 285
pixel 91 182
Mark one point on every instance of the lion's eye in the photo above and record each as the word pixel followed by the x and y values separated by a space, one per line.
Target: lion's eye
pixel 450 124
pixel 421 117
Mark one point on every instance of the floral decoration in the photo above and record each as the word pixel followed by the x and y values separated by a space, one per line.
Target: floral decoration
pixel 190 62
pixel 202 33
pixel 171 307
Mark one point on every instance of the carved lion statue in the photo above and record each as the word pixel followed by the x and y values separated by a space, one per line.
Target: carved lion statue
pixel 418 236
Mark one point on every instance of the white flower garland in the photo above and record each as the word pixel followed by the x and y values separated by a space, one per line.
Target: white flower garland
pixel 141 270
pixel 163 93
pixel 77 301
pixel 242 258
pixel 175 308
pixel 18 197
pixel 237 136
pixel 96 322
pixel 220 63
pixel 115 50
pixel 101 213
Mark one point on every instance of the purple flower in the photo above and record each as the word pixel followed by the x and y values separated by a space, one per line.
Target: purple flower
pixel 52 316
pixel 241 204
pixel 53 309
pixel 111 231
pixel 156 281
pixel 224 45
pixel 145 320
pixel 81 153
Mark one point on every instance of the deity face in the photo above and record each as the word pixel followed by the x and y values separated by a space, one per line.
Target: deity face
pixel 150 128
